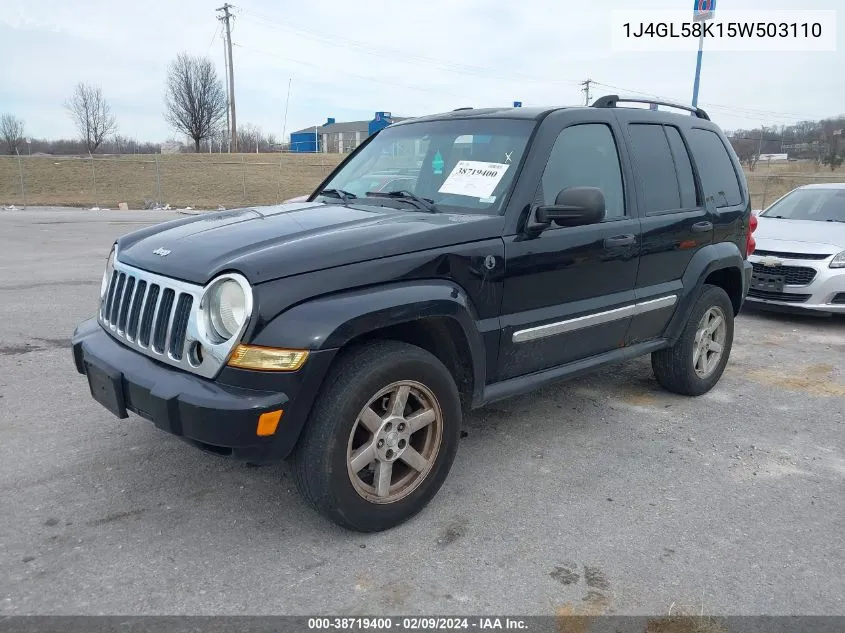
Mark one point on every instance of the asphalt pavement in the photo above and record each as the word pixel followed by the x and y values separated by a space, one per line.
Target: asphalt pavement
pixel 604 494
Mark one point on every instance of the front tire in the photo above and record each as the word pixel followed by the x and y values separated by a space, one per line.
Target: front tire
pixel 696 362
pixel 381 437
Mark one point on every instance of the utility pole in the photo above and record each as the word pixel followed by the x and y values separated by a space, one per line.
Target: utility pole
pixel 226 18
pixel 586 90
pixel 228 101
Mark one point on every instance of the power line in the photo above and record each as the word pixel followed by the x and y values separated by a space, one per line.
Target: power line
pixel 348 74
pixel 226 19
pixel 395 54
pixel 466 69
pixel 213 37
pixel 478 71
pixel 734 109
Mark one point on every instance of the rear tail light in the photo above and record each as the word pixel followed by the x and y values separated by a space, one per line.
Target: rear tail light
pixel 750 244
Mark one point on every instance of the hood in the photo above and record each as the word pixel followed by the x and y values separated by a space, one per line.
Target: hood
pixel 265 243
pixel 799 236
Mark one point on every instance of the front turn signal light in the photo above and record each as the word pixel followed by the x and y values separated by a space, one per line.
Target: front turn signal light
pixel 267 358
pixel 268 422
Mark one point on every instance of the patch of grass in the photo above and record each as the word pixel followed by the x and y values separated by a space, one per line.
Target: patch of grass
pixel 205 181
pixel 202 181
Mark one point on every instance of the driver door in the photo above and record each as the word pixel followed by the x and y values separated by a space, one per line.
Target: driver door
pixel 568 291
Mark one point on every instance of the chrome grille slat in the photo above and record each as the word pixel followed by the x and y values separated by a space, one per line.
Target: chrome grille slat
pixel 128 295
pixel 109 295
pixel 178 330
pixel 135 311
pixel 118 295
pixel 154 319
pixel 160 317
pixel 162 321
pixel 148 315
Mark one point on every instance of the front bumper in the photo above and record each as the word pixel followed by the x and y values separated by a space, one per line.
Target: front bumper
pixel 825 293
pixel 217 415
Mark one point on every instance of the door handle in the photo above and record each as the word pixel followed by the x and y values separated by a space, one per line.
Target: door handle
pixel 619 240
pixel 702 227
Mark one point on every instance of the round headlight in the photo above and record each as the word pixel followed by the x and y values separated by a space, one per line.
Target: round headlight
pixel 227 309
pixel 107 274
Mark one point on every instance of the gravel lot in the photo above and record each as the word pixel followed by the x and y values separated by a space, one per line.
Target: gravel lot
pixel 604 494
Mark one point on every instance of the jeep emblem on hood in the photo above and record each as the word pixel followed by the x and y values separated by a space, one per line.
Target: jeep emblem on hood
pixel 163 252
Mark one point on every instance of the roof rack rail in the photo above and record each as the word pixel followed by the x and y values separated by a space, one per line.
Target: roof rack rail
pixel 611 101
pixel 464 108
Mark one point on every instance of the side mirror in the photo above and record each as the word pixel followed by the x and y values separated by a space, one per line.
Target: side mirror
pixel 575 206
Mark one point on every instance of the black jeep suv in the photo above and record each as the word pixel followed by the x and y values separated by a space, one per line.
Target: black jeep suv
pixel 352 332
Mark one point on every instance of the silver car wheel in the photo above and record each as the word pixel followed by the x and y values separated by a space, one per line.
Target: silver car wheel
pixel 394 442
pixel 709 342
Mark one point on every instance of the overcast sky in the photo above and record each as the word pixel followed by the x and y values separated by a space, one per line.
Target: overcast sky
pixel 349 58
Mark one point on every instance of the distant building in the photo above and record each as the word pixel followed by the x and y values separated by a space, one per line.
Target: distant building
pixel 768 158
pixel 339 138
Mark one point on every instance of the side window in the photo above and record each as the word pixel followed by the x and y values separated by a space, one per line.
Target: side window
pixel 683 167
pixel 715 168
pixel 655 168
pixel 586 156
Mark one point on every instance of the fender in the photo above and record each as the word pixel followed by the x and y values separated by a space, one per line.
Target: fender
pixel 713 257
pixel 331 321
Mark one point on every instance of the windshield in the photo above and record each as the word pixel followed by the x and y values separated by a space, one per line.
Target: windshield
pixel 462 165
pixel 824 205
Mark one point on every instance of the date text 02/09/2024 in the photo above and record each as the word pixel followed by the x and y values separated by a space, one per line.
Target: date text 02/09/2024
pixel 730 30
pixel 424 623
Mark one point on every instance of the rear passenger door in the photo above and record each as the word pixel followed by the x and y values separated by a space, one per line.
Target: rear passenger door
pixel 722 183
pixel 676 221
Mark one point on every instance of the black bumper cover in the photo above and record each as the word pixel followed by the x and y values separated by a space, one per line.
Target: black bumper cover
pixel 218 416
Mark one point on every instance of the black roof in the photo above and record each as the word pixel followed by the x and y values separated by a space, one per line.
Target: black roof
pixel 538 112
pixel 531 113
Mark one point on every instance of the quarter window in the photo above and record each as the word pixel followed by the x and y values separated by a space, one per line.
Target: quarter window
pixel 718 177
pixel 586 156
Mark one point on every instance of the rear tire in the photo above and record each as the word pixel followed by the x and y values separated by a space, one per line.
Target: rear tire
pixel 381 437
pixel 696 362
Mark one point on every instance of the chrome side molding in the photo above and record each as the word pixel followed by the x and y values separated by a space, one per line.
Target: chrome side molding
pixel 589 320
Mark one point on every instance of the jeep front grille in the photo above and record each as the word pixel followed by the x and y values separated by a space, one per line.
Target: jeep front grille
pixel 157 316
pixel 129 298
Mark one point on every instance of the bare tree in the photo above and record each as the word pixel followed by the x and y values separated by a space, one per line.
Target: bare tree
pixel 250 137
pixel 195 99
pixel 92 115
pixel 11 129
pixel 219 139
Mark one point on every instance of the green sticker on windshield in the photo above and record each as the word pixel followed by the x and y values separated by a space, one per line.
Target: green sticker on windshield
pixel 437 163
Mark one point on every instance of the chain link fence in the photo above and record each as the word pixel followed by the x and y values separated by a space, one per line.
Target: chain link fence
pixel 766 187
pixel 145 181
pixel 211 181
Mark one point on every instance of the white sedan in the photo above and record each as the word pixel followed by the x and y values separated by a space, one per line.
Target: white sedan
pixel 799 261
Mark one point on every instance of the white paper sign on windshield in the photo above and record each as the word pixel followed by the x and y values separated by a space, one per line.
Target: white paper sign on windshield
pixel 474 178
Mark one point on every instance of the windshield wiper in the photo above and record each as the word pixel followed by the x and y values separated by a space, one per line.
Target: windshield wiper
pixel 345 196
pixel 422 203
